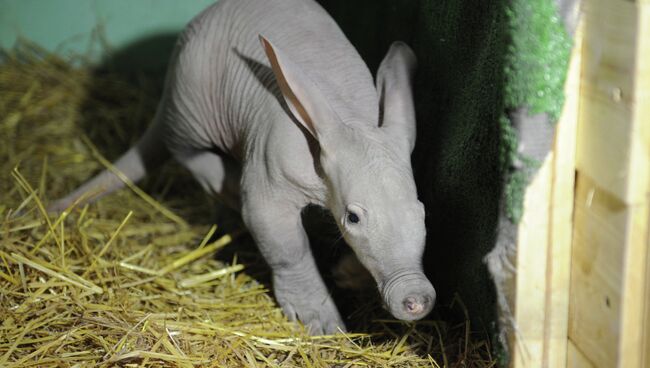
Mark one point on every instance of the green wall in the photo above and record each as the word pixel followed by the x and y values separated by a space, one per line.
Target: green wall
pixel 145 27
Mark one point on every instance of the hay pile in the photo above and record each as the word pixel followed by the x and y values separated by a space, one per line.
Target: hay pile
pixel 132 281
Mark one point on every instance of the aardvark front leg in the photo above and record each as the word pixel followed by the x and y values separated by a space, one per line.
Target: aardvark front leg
pixel 276 226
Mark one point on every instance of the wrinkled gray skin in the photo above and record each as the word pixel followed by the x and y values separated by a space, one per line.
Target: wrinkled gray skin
pixel 268 99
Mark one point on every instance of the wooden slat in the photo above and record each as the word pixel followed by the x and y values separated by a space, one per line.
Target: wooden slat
pixel 608 92
pixel 559 268
pixel 576 358
pixel 635 291
pixel 544 245
pixel 597 264
pixel 610 280
pixel 645 347
pixel 532 264
pixel 643 114
pixel 636 298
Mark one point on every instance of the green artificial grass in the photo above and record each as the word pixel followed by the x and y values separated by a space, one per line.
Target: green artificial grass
pixel 537 58
pixel 536 63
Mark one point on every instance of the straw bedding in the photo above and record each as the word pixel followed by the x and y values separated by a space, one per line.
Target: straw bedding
pixel 133 280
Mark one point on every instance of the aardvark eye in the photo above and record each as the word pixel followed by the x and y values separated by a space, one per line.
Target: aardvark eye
pixel 353 218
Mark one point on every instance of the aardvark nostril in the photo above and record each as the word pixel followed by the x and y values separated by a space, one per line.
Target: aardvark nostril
pixel 416 305
pixel 413 306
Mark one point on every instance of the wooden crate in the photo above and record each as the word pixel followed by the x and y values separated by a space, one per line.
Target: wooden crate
pixel 583 263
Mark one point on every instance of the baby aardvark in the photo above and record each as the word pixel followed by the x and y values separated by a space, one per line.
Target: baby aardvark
pixel 275 86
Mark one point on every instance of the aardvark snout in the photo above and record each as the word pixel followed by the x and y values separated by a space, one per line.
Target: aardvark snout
pixel 408 295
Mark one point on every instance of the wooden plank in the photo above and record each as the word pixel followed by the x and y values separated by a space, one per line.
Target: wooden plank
pixel 576 358
pixel 608 93
pixel 596 272
pixel 544 245
pixel 643 114
pixel 635 291
pixel 532 263
pixel 636 298
pixel 646 314
pixel 610 280
pixel 559 267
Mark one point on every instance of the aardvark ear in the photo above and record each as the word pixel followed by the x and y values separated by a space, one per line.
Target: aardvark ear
pixel 305 100
pixel 395 88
